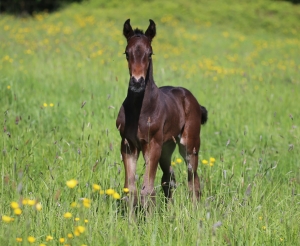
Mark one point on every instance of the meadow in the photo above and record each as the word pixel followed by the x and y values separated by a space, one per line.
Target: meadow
pixel 63 77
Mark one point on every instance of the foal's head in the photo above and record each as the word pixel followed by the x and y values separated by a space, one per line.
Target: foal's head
pixel 138 54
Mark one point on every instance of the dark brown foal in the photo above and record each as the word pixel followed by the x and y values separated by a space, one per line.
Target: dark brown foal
pixel 153 120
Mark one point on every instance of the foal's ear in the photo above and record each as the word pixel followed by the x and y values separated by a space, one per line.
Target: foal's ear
pixel 127 30
pixel 151 31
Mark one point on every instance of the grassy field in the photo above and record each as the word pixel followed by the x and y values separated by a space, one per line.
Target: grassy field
pixel 63 77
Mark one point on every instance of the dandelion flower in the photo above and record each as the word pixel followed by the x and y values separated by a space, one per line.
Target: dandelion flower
pixel 19 239
pixel 81 229
pixel 96 187
pixel 6 218
pixel 211 164
pixel 61 240
pixel 126 190
pixel 72 183
pixel 76 232
pixel 38 206
pixel 264 228
pixel 260 217
pixel 211 159
pixel 31 239
pixel 25 201
pixel 42 244
pixel 74 205
pixel 86 221
pixel 76 219
pixel 116 196
pixel 18 211
pixel 14 205
pixel 173 163
pixel 109 192
pixel 101 192
pixel 68 215
pixel 31 202
pixel 178 160
pixel 86 202
pixel 45 105
pixel 51 104
pixel 70 235
pixel 204 162
pixel 49 238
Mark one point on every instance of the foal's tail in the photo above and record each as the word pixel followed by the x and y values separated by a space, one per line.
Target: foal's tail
pixel 204 114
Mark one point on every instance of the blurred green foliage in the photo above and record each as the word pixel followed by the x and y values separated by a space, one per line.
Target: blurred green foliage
pixel 25 7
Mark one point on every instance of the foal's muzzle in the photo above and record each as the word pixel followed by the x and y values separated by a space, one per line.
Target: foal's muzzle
pixel 137 85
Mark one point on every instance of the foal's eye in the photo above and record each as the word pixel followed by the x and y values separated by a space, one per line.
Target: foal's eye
pixel 126 54
pixel 150 55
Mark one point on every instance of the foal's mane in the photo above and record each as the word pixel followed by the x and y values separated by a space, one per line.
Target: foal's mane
pixel 138 32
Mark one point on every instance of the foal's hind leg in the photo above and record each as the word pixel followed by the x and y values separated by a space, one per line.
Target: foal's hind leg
pixel 189 148
pixel 168 178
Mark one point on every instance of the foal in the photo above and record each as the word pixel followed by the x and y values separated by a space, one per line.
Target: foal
pixel 153 120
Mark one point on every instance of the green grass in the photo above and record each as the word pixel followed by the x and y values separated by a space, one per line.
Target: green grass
pixel 241 60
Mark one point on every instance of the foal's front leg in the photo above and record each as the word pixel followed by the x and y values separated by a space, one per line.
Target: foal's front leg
pixel 151 152
pixel 130 155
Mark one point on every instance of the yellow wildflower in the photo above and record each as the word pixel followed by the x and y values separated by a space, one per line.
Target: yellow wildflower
pixel 70 235
pixel 76 233
pixel 101 192
pixel 49 238
pixel 204 162
pixel 173 163
pixel 18 211
pixel 31 202
pixel 96 187
pixel 81 229
pixel 178 160
pixel 74 205
pixel 126 190
pixel 6 218
pixel 25 201
pixel 86 202
pixel 264 228
pixel 116 195
pixel 45 105
pixel 61 240
pixel 8 87
pixel 211 159
pixel 19 239
pixel 31 239
pixel 72 183
pixel 68 215
pixel 86 221
pixel 109 192
pixel 51 104
pixel 14 205
pixel 38 206
pixel 211 164
pixel 76 219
